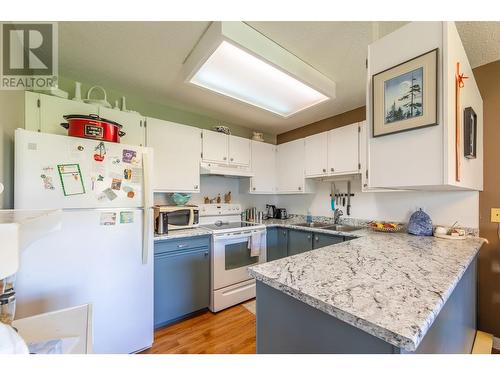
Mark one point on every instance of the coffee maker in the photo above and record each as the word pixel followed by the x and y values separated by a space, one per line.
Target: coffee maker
pixel 270 211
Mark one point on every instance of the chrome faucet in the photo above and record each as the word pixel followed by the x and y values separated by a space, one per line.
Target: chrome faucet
pixel 336 215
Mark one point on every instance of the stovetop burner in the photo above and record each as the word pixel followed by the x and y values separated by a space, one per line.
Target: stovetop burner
pixel 222 225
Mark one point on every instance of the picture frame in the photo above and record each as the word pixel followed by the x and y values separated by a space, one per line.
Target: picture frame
pixel 404 97
pixel 470 133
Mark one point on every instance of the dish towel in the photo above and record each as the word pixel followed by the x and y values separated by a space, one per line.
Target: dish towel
pixel 254 244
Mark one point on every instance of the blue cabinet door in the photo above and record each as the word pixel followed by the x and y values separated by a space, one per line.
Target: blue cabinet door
pixel 322 240
pixel 276 243
pixel 299 241
pixel 181 282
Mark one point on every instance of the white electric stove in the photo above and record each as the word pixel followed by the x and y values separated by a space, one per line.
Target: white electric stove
pixel 231 254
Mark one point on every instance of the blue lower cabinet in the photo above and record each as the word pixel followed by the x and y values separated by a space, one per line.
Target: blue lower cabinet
pixel 181 278
pixel 299 241
pixel 322 240
pixel 276 243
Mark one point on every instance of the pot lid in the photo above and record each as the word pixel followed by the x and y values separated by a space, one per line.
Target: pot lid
pixel 91 117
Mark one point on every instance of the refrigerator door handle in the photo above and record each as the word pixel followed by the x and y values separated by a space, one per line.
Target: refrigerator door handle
pixel 147 198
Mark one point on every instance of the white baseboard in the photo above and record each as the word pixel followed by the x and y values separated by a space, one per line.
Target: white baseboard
pixel 496 343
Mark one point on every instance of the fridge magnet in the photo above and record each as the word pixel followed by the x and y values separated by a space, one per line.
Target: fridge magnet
pixel 136 177
pixel 129 190
pixel 116 184
pixel 98 168
pixel 71 179
pixel 110 194
pixel 47 178
pixel 404 97
pixel 108 218
pixel 47 182
pixel 127 174
pixel 129 156
pixel 76 151
pixel 100 152
pixel 115 160
pixel 126 217
pixel 100 178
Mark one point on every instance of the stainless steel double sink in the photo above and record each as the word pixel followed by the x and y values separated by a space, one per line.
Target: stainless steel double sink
pixel 329 226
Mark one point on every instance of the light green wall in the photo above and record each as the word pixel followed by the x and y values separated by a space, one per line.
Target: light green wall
pixel 160 111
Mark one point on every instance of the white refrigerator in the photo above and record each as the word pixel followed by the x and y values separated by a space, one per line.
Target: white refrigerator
pixel 103 254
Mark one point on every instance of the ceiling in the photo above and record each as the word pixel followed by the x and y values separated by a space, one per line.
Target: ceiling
pixel 145 59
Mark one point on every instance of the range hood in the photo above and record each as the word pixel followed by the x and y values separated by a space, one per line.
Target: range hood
pixel 224 170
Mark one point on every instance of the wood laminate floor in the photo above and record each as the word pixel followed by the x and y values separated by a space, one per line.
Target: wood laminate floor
pixel 231 331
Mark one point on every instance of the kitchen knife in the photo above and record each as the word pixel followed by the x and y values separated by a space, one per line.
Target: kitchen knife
pixel 348 210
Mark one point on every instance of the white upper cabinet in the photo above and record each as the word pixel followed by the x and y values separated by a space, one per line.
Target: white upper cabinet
pixel 53 108
pixel 215 146
pixel 290 168
pixel 133 125
pixel 316 155
pixel 426 158
pixel 225 149
pixel 239 150
pixel 343 150
pixel 177 155
pixel 263 167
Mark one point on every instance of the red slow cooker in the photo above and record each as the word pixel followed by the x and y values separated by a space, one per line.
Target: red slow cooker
pixel 93 127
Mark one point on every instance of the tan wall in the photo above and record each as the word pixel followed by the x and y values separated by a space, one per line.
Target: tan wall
pixel 346 118
pixel 488 80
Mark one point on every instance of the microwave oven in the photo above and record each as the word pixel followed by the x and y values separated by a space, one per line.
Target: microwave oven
pixel 175 217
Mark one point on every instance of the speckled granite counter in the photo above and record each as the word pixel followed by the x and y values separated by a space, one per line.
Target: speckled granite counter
pixel 391 286
pixel 182 233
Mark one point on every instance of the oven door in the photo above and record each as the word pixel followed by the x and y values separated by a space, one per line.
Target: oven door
pixel 231 257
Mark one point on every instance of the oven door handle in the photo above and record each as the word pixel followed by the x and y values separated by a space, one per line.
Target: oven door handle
pixel 236 236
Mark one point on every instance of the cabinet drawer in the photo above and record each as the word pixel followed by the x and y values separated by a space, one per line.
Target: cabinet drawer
pixel 181 244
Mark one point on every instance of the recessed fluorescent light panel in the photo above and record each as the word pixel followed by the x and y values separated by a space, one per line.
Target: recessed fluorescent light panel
pixel 234 72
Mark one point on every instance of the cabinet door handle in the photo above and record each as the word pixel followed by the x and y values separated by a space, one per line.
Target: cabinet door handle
pixel 324 170
pixel 253 188
pixel 231 159
pixel 331 169
pixel 300 187
pixel 196 186
pixel 224 158
pixel 182 246
pixel 309 237
pixel 206 253
pixel 316 238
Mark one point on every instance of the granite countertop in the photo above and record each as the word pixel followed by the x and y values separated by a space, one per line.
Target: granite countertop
pixel 183 233
pixel 391 285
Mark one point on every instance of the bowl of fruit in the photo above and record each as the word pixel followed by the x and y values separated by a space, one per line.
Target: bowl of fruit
pixel 381 226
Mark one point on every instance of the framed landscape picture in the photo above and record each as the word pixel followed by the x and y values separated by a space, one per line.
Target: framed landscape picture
pixel 404 97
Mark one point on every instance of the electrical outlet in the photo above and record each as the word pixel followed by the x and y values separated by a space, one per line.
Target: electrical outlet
pixel 495 215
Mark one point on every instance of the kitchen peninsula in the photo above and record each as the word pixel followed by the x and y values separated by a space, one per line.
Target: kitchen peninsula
pixel 380 293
